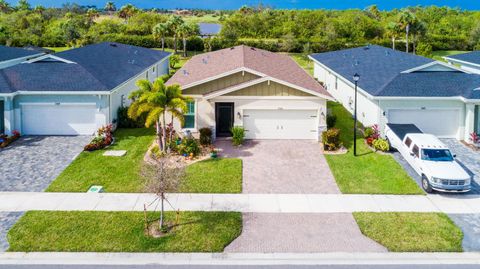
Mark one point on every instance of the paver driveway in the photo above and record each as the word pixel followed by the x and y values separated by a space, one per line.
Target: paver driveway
pixel 282 166
pixel 33 162
pixel 282 232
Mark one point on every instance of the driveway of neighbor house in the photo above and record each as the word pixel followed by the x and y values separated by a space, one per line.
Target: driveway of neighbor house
pixel 30 164
pixel 282 166
pixel 33 162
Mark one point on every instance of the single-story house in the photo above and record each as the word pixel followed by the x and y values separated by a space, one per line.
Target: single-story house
pixel 267 93
pixel 469 61
pixel 76 91
pixel 10 56
pixel 397 87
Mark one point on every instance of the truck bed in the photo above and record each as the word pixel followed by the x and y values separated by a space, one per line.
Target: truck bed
pixel 402 129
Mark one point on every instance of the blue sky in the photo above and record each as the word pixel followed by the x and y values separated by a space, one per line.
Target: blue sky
pixel 234 4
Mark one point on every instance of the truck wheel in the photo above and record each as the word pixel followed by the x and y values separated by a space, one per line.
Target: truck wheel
pixel 426 185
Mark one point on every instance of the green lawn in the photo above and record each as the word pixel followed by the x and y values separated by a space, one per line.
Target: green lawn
pixel 214 176
pixel 303 60
pixel 411 232
pixel 209 18
pixel 437 55
pixel 122 232
pixel 115 174
pixel 369 172
pixel 121 174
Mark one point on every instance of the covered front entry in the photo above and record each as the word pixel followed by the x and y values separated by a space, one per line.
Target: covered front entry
pixel 439 122
pixel 58 119
pixel 224 118
pixel 280 124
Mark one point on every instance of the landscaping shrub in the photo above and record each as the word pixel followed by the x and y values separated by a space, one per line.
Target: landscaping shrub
pixel 238 135
pixel 205 136
pixel 331 120
pixel 381 144
pixel 331 139
pixel 124 121
pixel 6 140
pixel 368 132
pixel 103 139
pixel 188 147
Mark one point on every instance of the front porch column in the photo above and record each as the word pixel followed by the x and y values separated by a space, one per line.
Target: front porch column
pixel 9 115
pixel 469 121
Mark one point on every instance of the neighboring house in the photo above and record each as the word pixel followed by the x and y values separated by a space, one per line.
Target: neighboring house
pixel 76 91
pixel 10 56
pixel 397 87
pixel 469 61
pixel 268 94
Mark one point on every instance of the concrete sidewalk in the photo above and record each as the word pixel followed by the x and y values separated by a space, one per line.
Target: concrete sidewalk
pixel 256 203
pixel 333 258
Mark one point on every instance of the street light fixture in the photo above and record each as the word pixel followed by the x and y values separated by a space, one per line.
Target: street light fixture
pixel 356 78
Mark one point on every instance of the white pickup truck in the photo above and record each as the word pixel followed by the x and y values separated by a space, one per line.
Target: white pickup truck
pixel 429 157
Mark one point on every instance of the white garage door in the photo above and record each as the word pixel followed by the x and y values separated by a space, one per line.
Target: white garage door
pixel 440 122
pixel 46 119
pixel 280 124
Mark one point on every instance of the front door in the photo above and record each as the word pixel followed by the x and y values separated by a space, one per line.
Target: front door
pixel 2 117
pixel 224 119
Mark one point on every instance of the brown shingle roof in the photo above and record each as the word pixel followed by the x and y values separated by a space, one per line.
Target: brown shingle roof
pixel 278 66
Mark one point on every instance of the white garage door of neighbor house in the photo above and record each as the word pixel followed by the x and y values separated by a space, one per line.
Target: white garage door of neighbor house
pixel 280 124
pixel 52 119
pixel 440 122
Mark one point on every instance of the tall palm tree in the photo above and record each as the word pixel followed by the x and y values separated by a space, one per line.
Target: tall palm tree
pixel 186 30
pixel 127 11
pixel 393 31
pixel 418 30
pixel 110 7
pixel 154 100
pixel 159 31
pixel 4 6
pixel 406 18
pixel 92 14
pixel 173 24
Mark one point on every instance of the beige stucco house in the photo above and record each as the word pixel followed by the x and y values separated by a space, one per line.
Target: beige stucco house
pixel 268 94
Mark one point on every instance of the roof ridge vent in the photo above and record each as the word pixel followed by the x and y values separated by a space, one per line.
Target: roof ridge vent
pixel 387 52
pixel 113 45
pixel 252 48
pixel 185 72
pixel 204 61
pixel 232 48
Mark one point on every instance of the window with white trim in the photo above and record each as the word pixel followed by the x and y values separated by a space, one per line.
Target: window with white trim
pixel 189 116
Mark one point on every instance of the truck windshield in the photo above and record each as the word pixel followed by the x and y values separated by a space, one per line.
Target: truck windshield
pixel 437 155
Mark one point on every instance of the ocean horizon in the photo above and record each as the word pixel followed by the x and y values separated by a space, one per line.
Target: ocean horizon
pixel 288 4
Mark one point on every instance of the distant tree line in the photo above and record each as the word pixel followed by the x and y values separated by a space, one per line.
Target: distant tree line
pixel 416 29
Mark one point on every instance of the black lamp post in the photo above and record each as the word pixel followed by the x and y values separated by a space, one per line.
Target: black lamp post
pixel 356 78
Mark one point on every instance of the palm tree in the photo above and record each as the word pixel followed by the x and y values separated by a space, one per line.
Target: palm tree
pixel 393 30
pixel 159 31
pixel 92 14
pixel 23 5
pixel 155 100
pixel 418 30
pixel 186 30
pixel 127 11
pixel 173 24
pixel 4 6
pixel 406 18
pixel 110 7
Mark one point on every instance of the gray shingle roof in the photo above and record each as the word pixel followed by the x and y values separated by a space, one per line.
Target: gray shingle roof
pixel 437 84
pixel 376 65
pixel 10 53
pixel 380 71
pixel 471 57
pixel 98 67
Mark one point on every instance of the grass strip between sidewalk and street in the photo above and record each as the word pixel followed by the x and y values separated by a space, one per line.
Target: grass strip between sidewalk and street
pixel 87 231
pixel 369 172
pixel 411 232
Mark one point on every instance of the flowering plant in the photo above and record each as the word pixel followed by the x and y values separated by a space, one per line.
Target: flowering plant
pixel 474 137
